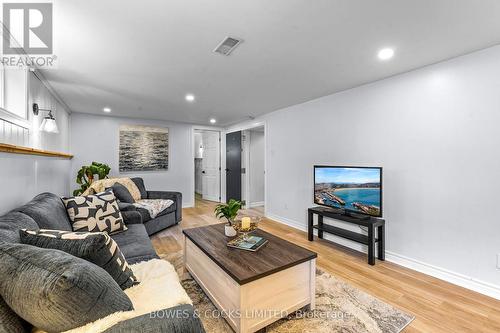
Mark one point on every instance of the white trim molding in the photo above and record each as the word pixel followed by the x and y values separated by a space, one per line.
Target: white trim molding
pixel 458 279
pixel 188 205
pixel 256 204
pixel 455 278
pixel 286 221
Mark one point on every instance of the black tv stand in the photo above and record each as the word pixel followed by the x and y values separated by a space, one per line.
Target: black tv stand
pixel 356 216
pixel 371 223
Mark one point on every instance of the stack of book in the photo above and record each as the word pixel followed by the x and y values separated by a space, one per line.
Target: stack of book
pixel 250 243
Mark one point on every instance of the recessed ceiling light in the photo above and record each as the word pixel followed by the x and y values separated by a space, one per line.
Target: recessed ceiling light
pixel 189 97
pixel 385 54
pixel 213 121
pixel 106 109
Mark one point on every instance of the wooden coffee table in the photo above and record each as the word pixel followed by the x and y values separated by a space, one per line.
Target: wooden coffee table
pixel 253 289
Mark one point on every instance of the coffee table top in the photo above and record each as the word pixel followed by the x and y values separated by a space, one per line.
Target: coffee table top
pixel 245 266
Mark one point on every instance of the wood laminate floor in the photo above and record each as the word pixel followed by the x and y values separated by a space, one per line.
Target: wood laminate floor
pixel 437 305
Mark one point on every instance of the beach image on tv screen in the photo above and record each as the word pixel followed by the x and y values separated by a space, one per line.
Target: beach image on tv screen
pixel 354 189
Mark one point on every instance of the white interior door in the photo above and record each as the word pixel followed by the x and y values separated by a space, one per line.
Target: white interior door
pixel 211 166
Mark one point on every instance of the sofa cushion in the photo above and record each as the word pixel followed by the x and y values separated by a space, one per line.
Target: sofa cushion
pixel 160 289
pixel 122 193
pixel 139 182
pixel 95 213
pixel 159 223
pixel 131 217
pixel 175 196
pixel 178 319
pixel 48 211
pixel 154 206
pixel 11 223
pixel 126 207
pixel 169 210
pixel 10 322
pixel 95 247
pixel 79 292
pixel 9 233
pixel 144 214
pixel 135 244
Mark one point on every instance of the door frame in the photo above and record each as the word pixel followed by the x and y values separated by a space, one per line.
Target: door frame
pixel 193 154
pixel 242 127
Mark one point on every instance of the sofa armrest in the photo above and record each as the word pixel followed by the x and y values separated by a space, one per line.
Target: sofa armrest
pixel 175 196
pixel 131 217
pixel 178 319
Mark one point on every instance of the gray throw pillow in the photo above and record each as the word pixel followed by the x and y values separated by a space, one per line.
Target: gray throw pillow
pixel 96 247
pixel 56 291
pixel 95 213
pixel 9 320
pixel 122 193
pixel 139 182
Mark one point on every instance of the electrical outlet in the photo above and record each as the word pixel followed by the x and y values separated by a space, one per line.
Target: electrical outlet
pixel 498 261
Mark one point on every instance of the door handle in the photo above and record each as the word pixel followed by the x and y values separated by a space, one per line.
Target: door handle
pixel 227 170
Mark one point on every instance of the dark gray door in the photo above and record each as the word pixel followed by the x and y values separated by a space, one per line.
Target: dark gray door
pixel 233 166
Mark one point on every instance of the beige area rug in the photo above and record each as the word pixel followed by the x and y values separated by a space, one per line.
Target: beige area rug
pixel 340 308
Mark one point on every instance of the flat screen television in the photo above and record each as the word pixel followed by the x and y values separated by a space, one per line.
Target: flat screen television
pixel 351 189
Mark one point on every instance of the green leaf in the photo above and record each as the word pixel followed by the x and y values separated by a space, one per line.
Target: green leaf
pixel 229 210
pixel 86 174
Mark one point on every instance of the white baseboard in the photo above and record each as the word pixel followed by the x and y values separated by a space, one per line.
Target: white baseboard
pixel 256 204
pixel 288 222
pixel 458 279
pixel 188 204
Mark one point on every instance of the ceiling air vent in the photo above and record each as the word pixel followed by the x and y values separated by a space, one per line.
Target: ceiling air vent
pixel 227 45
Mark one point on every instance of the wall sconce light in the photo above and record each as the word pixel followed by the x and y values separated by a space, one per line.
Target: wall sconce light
pixel 49 124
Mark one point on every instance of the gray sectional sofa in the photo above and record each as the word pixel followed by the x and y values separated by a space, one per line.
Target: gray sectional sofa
pixel 170 216
pixel 47 211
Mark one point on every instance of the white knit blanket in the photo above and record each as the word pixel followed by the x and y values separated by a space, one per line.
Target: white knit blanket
pixel 159 289
pixel 154 206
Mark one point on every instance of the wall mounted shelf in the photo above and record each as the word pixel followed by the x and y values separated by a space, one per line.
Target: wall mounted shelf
pixel 5 148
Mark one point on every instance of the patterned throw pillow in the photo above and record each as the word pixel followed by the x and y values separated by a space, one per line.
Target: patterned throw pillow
pixel 94 213
pixel 95 247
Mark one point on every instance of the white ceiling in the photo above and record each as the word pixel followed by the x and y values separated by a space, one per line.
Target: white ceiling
pixel 141 57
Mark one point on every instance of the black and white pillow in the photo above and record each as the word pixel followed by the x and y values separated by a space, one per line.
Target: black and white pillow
pixel 95 213
pixel 95 247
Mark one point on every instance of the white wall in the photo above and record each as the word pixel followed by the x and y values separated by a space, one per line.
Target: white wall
pixel 256 168
pixel 24 176
pixel 435 131
pixel 96 138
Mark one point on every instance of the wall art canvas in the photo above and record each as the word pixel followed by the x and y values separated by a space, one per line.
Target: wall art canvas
pixel 143 148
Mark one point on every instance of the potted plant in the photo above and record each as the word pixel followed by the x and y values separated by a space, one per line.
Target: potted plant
pixel 228 211
pixel 86 175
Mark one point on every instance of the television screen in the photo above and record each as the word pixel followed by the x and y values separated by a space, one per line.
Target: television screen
pixel 354 189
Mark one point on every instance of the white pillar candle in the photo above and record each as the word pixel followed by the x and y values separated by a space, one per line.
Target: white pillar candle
pixel 245 223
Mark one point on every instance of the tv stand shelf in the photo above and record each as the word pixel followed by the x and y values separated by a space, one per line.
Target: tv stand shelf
pixel 374 225
pixel 351 235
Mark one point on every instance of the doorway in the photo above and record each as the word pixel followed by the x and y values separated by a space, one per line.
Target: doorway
pixel 207 165
pixel 233 166
pixel 245 167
